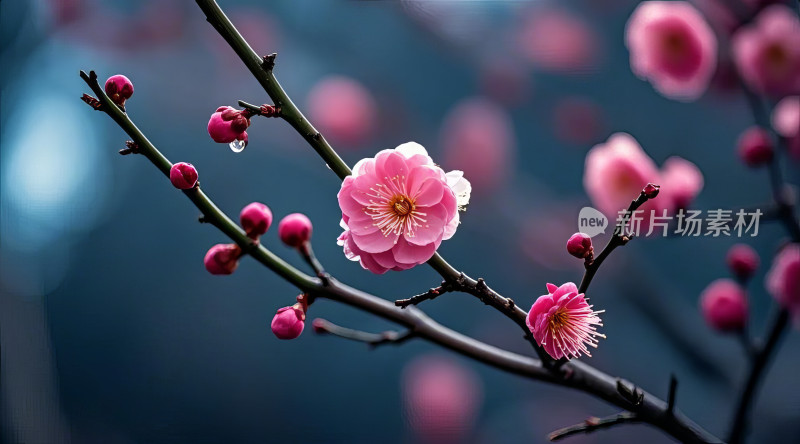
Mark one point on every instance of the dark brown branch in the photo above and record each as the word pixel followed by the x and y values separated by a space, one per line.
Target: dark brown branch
pixel 592 424
pixel 618 239
pixel 322 326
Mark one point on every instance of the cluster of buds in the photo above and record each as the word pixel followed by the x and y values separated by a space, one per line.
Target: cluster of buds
pixel 223 259
pixel 724 302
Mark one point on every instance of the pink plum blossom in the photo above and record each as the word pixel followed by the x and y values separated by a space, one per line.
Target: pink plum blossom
pixel 119 89
pixel 398 207
pixel 616 172
pixel 681 182
pixel 783 279
pixel 477 137
pixel 183 175
pixel 255 219
pixel 724 305
pixel 673 47
pixel 222 259
pixel 228 124
pixel 441 399
pixel 289 322
pixel 343 109
pixel 742 260
pixel 563 323
pixel 767 52
pixel 295 229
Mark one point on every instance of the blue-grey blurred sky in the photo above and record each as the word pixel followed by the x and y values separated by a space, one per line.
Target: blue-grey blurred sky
pixel 113 332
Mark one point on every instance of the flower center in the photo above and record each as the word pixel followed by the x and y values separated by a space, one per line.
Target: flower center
pixel 392 210
pixel 402 206
pixel 559 319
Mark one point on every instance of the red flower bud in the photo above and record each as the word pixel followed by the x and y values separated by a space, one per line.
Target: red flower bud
pixel 183 175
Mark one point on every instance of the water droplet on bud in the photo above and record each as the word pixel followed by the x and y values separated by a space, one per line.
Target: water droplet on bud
pixel 237 146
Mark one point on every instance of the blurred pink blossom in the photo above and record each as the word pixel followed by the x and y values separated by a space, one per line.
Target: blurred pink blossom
pixel 767 52
pixel 477 137
pixel 398 207
pixel 616 172
pixel 786 117
pixel 563 323
pixel 556 40
pixel 441 399
pixel 681 182
pixel 344 110
pixel 724 305
pixel 742 260
pixel 755 147
pixel 673 47
pixel 783 279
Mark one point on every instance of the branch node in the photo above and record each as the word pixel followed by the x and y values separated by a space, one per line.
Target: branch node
pixel 268 61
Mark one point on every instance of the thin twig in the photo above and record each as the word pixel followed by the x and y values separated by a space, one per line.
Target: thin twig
pixel 322 326
pixel 592 424
pixel 618 238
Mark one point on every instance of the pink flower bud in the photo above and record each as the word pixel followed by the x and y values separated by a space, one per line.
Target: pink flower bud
pixel 228 124
pixel 651 190
pixel 255 219
pixel 119 89
pixel 580 245
pixel 742 260
pixel 289 322
pixel 295 229
pixel 724 305
pixel 222 258
pixel 183 175
pixel 755 147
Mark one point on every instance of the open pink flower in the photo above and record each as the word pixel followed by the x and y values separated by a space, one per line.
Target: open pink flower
pixel 783 279
pixel 767 53
pixel 398 207
pixel 681 181
pixel 673 47
pixel 616 172
pixel 563 322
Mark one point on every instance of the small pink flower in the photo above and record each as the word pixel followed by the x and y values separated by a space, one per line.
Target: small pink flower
pixel 563 323
pixel 580 245
pixel 477 137
pixel 119 89
pixel 783 279
pixel 343 109
pixel 441 399
pixel 742 260
pixel 786 117
pixel 228 124
pixel 289 322
pixel 767 52
pixel 724 305
pixel 222 258
pixel 673 47
pixel 755 147
pixel 398 207
pixel 295 229
pixel 183 175
pixel 255 219
pixel 681 182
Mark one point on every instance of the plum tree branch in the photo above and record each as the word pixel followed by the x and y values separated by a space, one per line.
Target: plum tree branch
pixel 262 69
pixel 579 376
